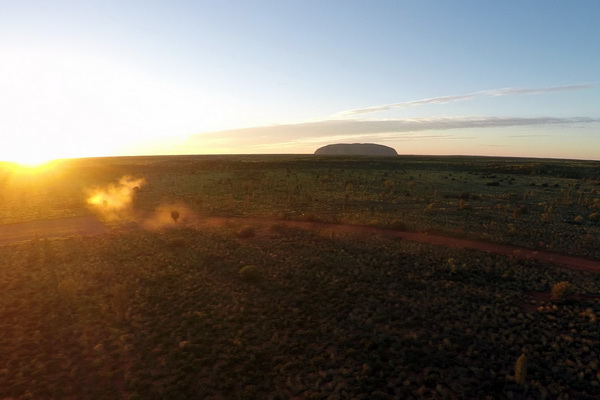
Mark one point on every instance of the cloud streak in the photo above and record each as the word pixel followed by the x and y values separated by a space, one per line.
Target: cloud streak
pixel 355 129
pixel 464 97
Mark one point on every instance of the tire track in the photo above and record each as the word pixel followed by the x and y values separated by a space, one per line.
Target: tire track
pixel 89 225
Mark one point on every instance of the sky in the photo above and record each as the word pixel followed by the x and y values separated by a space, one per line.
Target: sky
pixel 104 78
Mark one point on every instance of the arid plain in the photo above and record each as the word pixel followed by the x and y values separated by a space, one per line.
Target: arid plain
pixel 300 277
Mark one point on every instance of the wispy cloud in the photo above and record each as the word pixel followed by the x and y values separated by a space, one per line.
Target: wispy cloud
pixel 397 137
pixel 528 136
pixel 464 97
pixel 518 91
pixel 355 129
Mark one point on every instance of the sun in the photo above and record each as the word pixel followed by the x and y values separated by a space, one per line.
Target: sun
pixel 30 159
pixel 29 162
pixel 34 151
pixel 33 163
pixel 38 169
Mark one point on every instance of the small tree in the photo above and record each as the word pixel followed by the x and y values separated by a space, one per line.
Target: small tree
pixel 175 215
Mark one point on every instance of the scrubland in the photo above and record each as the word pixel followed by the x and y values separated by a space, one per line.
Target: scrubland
pixel 542 204
pixel 160 309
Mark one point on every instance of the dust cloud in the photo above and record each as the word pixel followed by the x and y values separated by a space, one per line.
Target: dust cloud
pixel 114 202
pixel 162 217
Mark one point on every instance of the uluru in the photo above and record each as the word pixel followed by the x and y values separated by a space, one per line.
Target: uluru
pixel 356 149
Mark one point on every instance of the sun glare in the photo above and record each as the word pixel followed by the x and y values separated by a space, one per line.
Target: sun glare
pixel 28 156
pixel 30 166
pixel 33 163
pixel 23 169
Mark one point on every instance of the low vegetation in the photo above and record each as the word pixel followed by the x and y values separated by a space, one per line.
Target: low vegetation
pixel 288 314
pixel 250 273
pixel 160 310
pixel 558 293
pixel 549 205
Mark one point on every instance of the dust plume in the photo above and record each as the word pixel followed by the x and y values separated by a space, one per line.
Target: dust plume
pixel 164 217
pixel 114 202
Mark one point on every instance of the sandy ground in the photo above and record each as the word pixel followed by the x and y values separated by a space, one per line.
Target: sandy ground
pixel 89 225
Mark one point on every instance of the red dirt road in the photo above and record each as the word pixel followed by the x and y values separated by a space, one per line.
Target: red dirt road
pixel 573 262
pixel 89 225
pixel 86 225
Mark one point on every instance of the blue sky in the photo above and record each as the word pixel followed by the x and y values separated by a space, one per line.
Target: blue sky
pixel 197 77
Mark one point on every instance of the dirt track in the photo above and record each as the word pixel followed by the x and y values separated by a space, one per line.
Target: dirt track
pixel 89 225
pixel 86 225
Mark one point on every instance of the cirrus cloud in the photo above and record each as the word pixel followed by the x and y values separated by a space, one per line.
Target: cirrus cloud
pixel 468 96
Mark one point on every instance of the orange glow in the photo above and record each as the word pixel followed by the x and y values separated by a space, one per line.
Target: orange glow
pixel 31 168
pixel 33 165
pixel 27 155
pixel 114 201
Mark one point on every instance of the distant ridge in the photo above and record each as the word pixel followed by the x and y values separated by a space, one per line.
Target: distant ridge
pixel 356 149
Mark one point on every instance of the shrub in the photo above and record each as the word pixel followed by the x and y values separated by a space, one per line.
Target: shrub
pixel 246 232
pixel 66 290
pixel 512 230
pixel 398 225
pixel 309 217
pixel 120 301
pixel 559 290
pixel 176 243
pixel 521 369
pixel 462 205
pixel 250 273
